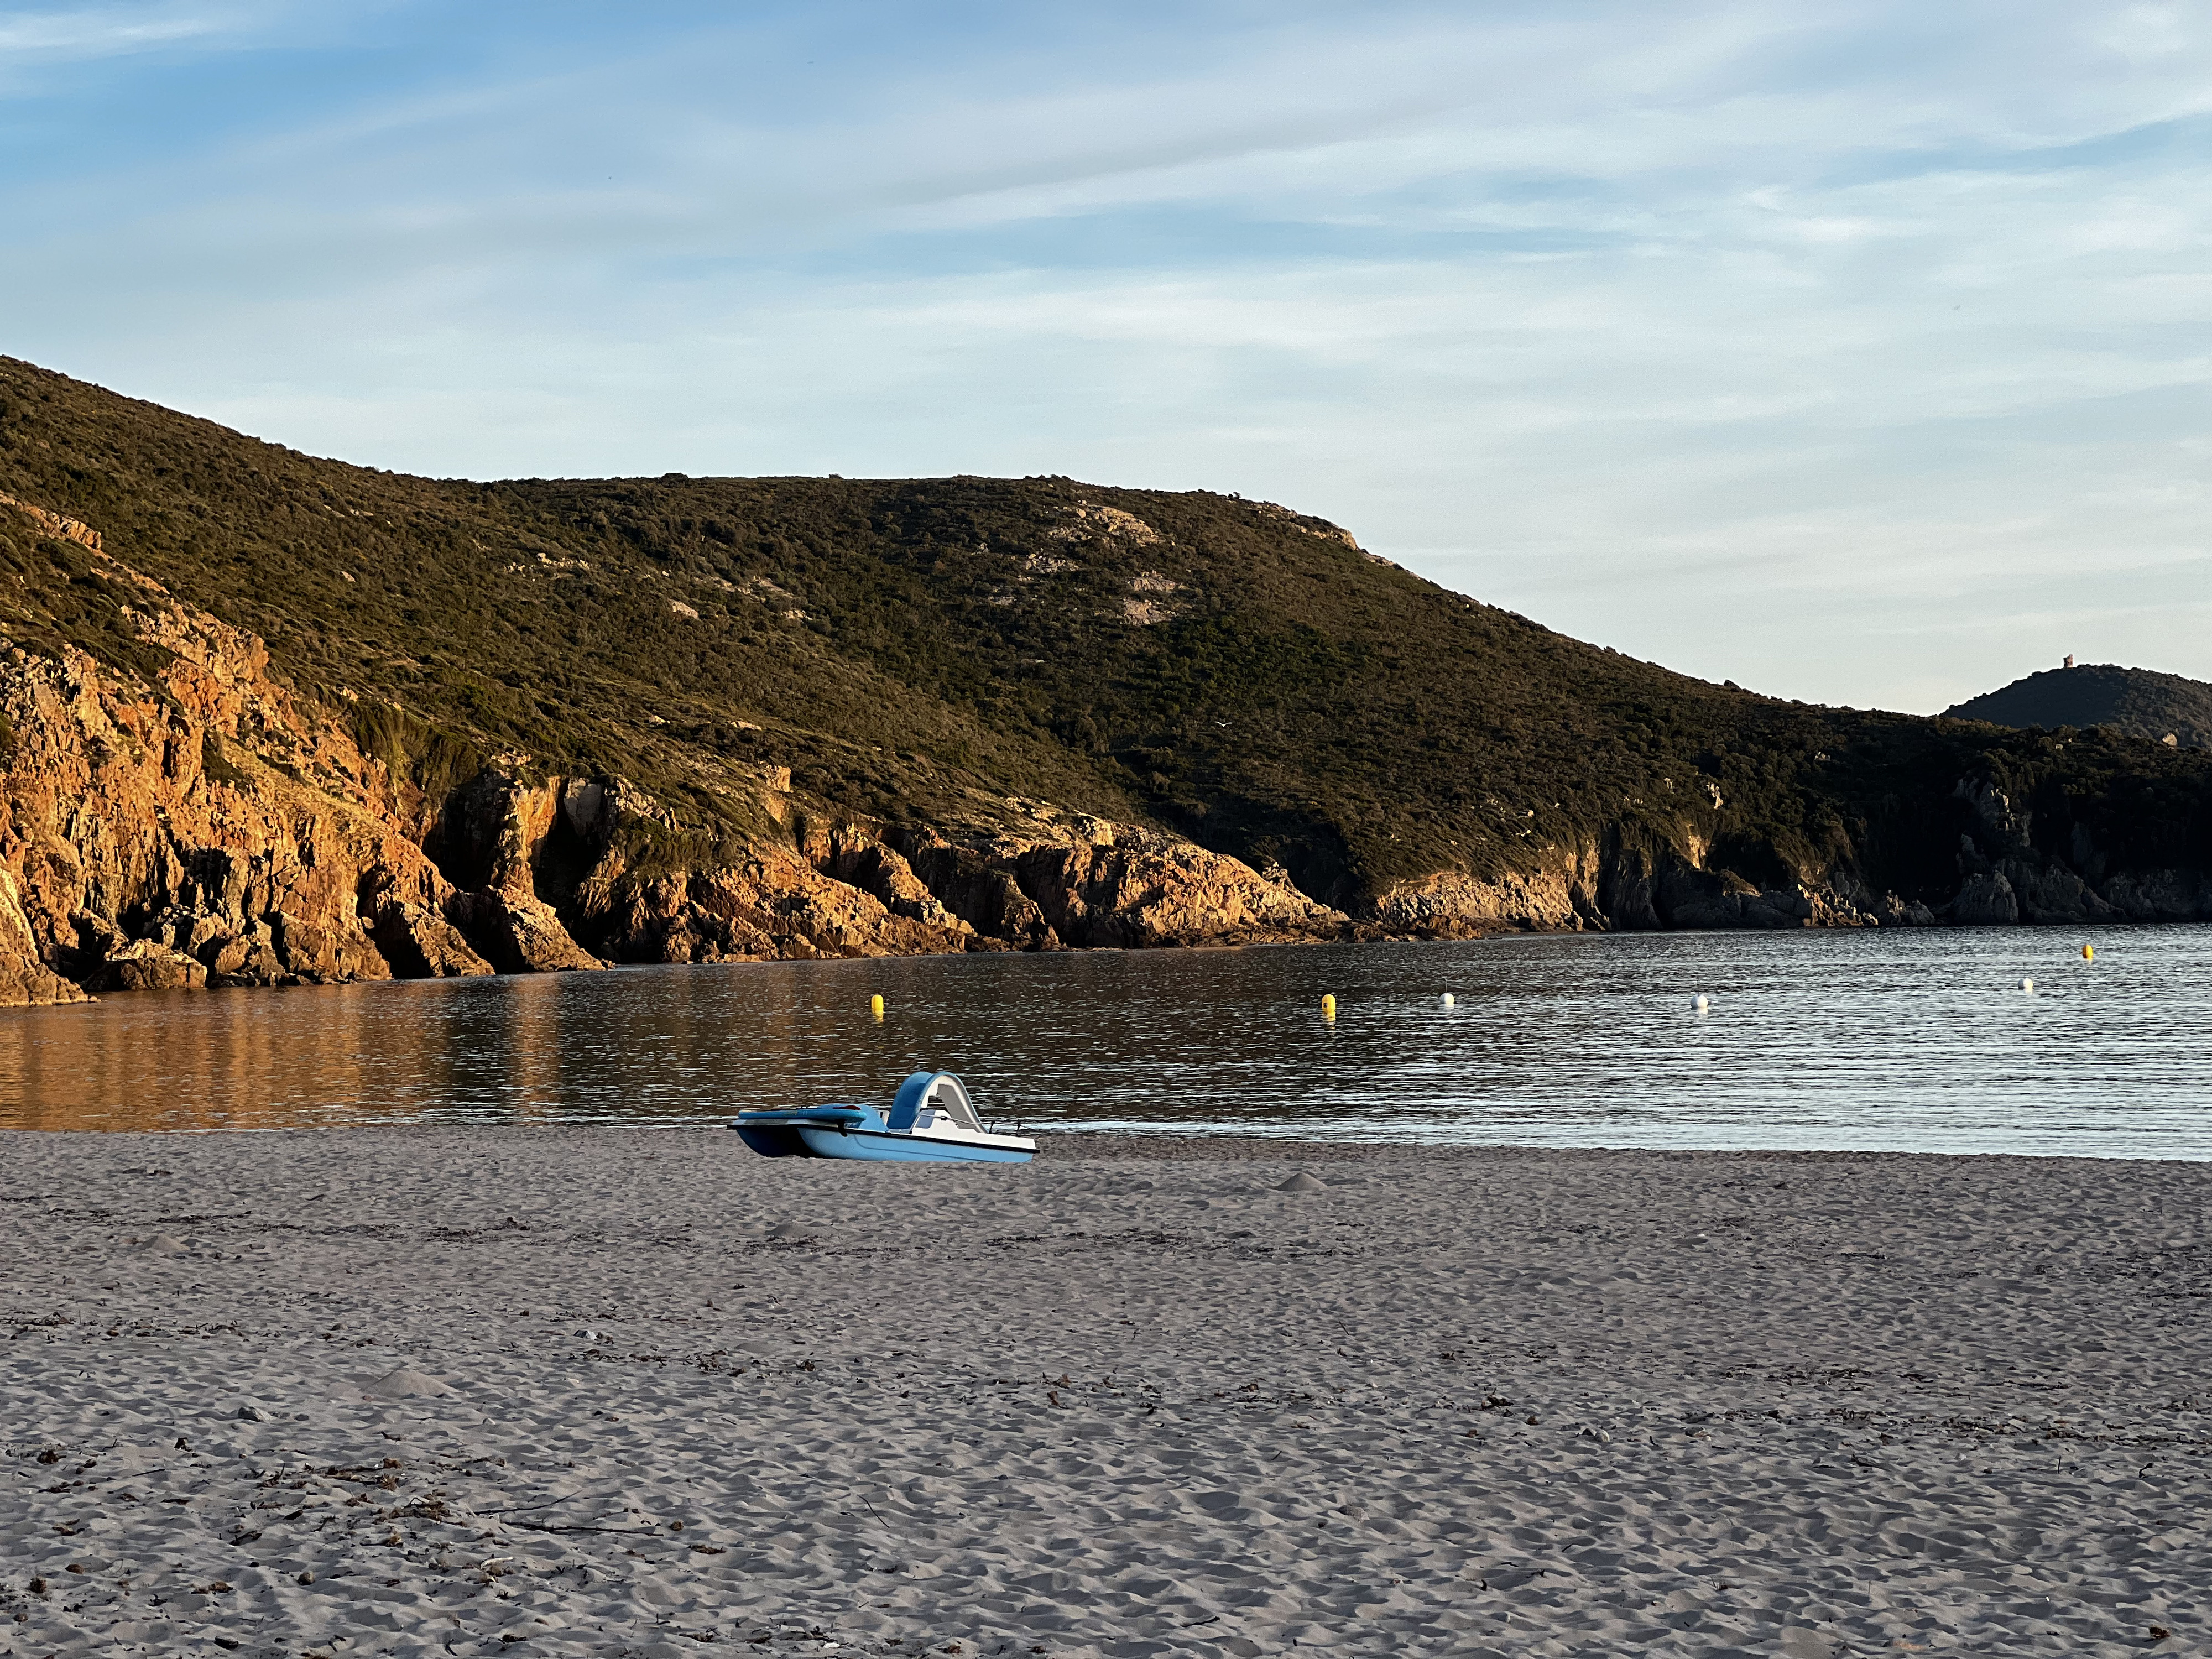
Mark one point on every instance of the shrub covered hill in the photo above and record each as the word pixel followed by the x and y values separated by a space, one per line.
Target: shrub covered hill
pixel 2164 708
pixel 273 718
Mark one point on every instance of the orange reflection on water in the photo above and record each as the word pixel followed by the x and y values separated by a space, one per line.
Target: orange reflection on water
pixel 232 1060
pixel 653 1043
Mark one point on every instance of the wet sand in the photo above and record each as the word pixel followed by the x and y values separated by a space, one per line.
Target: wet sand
pixel 561 1391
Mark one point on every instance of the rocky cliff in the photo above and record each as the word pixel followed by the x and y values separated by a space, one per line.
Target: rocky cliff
pixel 274 719
pixel 203 825
pixel 198 823
pixel 2004 874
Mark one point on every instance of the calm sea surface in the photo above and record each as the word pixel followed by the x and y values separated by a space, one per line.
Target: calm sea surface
pixel 1916 1040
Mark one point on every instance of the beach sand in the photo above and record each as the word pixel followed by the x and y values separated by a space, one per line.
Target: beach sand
pixel 622 1391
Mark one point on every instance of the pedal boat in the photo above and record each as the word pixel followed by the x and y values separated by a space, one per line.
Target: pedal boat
pixel 931 1121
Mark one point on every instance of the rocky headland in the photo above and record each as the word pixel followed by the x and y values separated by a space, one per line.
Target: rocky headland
pixel 272 719
pixel 207 827
pixel 210 828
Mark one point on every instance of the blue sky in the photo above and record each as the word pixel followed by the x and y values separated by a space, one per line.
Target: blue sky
pixel 1857 352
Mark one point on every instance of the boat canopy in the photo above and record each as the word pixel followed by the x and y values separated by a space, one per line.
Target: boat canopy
pixel 938 1088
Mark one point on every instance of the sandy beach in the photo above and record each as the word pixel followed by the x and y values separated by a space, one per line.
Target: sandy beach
pixel 571 1391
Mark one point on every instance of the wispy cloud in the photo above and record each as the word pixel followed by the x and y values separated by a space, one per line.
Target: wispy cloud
pixel 27 37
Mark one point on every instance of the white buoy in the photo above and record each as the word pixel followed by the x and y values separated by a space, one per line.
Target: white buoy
pixel 1449 1000
pixel 2028 986
pixel 1702 1002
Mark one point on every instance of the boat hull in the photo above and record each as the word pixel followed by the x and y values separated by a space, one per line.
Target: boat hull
pixel 773 1140
pixel 883 1146
pixel 860 1134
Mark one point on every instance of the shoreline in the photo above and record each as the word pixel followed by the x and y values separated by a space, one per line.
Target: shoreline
pixel 1502 933
pixel 1137 1399
pixel 1229 1145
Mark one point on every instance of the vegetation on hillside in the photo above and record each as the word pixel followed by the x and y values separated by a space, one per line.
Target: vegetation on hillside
pixel 2139 701
pixel 923 650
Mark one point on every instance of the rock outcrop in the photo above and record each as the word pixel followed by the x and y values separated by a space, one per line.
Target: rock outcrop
pixel 848 887
pixel 196 826
pixel 1560 894
pixel 204 827
pixel 764 904
pixel 1071 879
pixel 491 840
pixel 564 859
pixel 25 980
pixel 2009 871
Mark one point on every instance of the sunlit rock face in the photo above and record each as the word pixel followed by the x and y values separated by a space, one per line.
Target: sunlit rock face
pixel 195 823
pixel 202 825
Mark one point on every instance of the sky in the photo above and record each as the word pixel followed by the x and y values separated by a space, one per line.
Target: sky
pixel 1857 352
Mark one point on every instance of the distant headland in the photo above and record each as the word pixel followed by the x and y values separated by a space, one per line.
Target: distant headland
pixel 2141 701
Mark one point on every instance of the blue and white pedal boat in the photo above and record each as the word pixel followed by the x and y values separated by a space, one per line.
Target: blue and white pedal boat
pixel 931 1121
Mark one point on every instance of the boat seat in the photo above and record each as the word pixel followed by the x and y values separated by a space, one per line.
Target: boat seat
pixel 937 1092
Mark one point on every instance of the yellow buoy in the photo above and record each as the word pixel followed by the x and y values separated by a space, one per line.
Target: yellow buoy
pixel 2088 953
pixel 1328 1005
pixel 875 1005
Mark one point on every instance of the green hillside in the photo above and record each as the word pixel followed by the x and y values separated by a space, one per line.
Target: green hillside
pixel 915 650
pixel 2139 701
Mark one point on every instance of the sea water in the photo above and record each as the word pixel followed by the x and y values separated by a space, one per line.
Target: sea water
pixel 1916 1040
